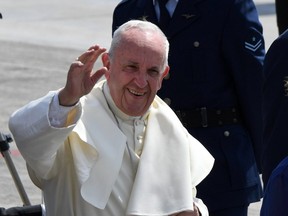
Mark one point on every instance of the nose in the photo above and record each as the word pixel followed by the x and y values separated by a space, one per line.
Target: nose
pixel 141 79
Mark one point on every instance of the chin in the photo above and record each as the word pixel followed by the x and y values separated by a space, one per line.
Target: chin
pixel 135 113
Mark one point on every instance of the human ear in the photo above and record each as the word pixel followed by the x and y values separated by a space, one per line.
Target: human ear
pixel 165 73
pixel 106 60
pixel 106 63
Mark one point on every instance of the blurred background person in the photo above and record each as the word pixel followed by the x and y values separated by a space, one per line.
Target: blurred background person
pixel 276 193
pixel 275 106
pixel 281 15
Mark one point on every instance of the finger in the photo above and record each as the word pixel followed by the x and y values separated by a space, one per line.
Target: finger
pixel 90 58
pixel 75 66
pixel 98 74
pixel 95 47
pixel 85 56
pixel 94 55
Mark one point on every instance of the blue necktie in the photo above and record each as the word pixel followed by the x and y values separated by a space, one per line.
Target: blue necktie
pixel 164 15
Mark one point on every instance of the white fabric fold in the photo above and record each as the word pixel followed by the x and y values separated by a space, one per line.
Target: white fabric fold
pixel 171 165
pixel 109 143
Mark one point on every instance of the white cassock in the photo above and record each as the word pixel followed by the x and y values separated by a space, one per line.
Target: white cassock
pixel 86 169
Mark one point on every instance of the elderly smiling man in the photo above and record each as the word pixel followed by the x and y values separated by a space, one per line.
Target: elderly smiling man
pixel 113 147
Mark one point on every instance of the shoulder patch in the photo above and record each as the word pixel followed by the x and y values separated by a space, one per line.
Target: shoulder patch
pixel 254 41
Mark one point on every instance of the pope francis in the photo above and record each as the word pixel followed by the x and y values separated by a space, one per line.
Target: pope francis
pixel 110 146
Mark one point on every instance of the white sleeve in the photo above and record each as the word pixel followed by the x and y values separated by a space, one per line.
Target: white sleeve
pixel 36 139
pixel 58 114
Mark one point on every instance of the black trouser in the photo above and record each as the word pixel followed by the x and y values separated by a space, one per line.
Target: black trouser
pixel 233 211
pixel 34 210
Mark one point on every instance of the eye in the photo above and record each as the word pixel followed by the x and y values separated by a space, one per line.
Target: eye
pixel 130 68
pixel 153 72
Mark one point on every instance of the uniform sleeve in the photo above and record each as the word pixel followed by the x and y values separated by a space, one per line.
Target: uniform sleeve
pixel 244 50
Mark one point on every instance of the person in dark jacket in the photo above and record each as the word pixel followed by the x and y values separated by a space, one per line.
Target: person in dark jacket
pixel 275 105
pixel 215 86
pixel 276 193
pixel 281 15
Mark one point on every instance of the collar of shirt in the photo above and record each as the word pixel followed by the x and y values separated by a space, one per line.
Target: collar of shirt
pixel 171 6
pixel 132 126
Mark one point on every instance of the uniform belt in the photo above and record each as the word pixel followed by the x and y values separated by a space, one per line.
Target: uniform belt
pixel 204 117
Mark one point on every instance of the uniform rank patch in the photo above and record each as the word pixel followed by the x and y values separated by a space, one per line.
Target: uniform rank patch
pixel 254 40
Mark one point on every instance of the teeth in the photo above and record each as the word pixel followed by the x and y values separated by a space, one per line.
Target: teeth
pixel 136 93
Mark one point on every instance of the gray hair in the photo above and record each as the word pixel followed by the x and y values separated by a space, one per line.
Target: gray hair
pixel 142 26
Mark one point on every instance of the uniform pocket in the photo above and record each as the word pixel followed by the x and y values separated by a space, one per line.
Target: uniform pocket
pixel 238 151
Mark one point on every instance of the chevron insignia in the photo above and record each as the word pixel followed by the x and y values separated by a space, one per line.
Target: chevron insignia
pixel 253 46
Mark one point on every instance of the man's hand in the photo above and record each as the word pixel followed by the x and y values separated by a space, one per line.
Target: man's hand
pixel 81 78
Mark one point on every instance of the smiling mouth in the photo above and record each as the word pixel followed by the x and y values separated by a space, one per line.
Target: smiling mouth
pixel 136 93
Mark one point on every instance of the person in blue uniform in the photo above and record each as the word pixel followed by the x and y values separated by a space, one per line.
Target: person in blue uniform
pixel 276 193
pixel 215 86
pixel 275 105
